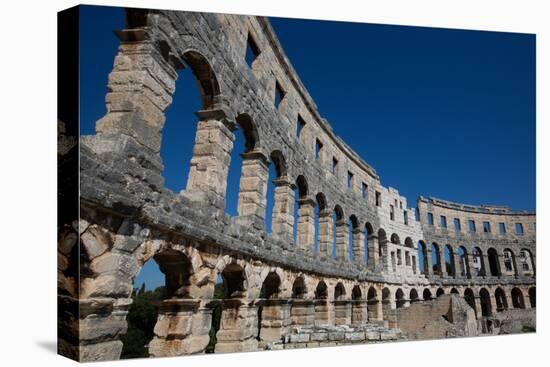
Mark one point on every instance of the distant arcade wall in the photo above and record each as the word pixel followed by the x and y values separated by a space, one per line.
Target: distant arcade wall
pixel 127 217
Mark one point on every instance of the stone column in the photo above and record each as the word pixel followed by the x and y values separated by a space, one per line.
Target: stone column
pixel 442 263
pixel 140 86
pixel 238 326
pixel 306 225
pixel 211 157
pixel 484 264
pixel 501 266
pixel 477 300
pixel 282 224
pixel 428 260
pixel 325 233
pixel 182 328
pixel 456 264
pixel 358 246
pixel 373 259
pixel 253 189
pixel 374 309
pixel 359 312
pixel 322 308
pixel 342 240
pixel 302 312
pixel 275 321
pixel 342 312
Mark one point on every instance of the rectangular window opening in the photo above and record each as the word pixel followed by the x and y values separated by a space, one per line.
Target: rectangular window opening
pixel 457 225
pixel 318 147
pixel 350 181
pixel 472 225
pixel 502 228
pixel 378 199
pixel 334 165
pixel 392 212
pixel 406 218
pixel 443 221
pixel 279 96
pixel 364 190
pixel 519 229
pixel 486 227
pixel 430 219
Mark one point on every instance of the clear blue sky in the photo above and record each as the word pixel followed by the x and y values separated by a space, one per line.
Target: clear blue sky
pixel 437 112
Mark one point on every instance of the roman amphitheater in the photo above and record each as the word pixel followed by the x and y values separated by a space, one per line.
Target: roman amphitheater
pixel 429 269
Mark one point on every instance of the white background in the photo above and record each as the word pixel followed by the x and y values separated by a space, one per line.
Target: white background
pixel 28 180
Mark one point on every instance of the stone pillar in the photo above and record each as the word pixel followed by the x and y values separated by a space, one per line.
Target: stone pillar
pixel 374 309
pixel 428 260
pixel 182 328
pixel 456 265
pixel 253 189
pixel 373 259
pixel 359 314
pixel 442 263
pixel 326 234
pixel 358 246
pixel 275 321
pixel 140 86
pixel 211 157
pixel 306 225
pixel 501 266
pixel 322 309
pixel 342 312
pixel 238 326
pixel 477 300
pixel 342 240
pixel 302 312
pixel 282 223
pixel 484 265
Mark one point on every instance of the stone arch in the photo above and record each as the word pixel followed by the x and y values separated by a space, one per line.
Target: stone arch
pixel 355 240
pixel 527 261
pixel 250 132
pixel 464 266
pixel 440 291
pixel 234 281
pixel 427 294
pixel 382 244
pixel 533 297
pixel 321 307
pixel 478 263
pixel 509 260
pixel 399 298
pixel 494 263
pixel 395 239
pixel 177 269
pixel 409 242
pixel 358 306
pixel 279 161
pixel 321 291
pixel 205 76
pixel 517 298
pixel 304 222
pixel 386 303
pixel 454 291
pixel 370 245
pixel 500 299
pixel 299 289
pixel 339 291
pixel 302 186
pixel 373 304
pixel 323 221
pixel 436 259
pixel 413 295
pixel 423 254
pixel 449 258
pixel 469 297
pixel 271 286
pixel 341 236
pixel 485 301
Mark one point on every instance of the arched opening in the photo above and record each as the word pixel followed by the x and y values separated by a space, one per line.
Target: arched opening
pixel 269 312
pixel 395 239
pixel 341 306
pixel 246 166
pixel 373 304
pixel 196 88
pixel 354 239
pixel 299 289
pixel 232 284
pixel 369 241
pixel 533 297
pixel 409 242
pixel 500 298
pixel 436 259
pixel 321 305
pixel 527 262
pixel 300 312
pixel 399 298
pixel 469 297
pixel 165 277
pixel 439 292
pixel 463 262
pixel 413 296
pixel 477 261
pixel 277 195
pixel 339 292
pixel 427 295
pixel 422 257
pixel 322 225
pixel 454 291
pixel 357 306
pixel 303 213
pixel 449 260
pixel 510 267
pixel 382 245
pixel 494 265
pixel 485 301
pixel 339 229
pixel 517 298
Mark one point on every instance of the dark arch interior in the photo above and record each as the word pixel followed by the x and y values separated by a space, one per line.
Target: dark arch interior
pixel 299 288
pixel 233 281
pixel 321 292
pixel 339 291
pixel 270 287
pixel 427 294
pixel 356 293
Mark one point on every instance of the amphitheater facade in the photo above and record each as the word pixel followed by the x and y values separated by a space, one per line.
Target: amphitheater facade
pixel 125 216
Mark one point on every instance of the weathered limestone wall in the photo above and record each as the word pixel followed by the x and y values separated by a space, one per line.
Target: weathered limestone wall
pixel 128 217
